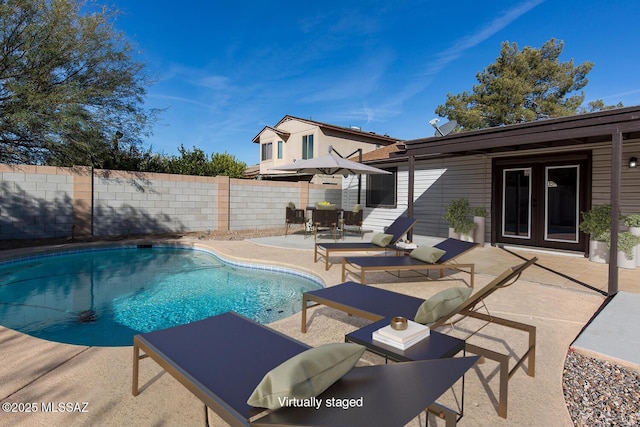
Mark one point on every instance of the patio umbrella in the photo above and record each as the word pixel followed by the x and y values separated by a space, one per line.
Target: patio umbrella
pixel 332 165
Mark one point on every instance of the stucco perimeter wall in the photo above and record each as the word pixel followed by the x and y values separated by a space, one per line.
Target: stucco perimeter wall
pixel 43 202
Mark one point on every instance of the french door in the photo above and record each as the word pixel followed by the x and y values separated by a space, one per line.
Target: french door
pixel 538 201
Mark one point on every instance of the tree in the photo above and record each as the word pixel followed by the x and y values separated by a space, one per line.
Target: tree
pixel 227 165
pixel 521 86
pixel 190 162
pixel 195 162
pixel 70 92
pixel 599 105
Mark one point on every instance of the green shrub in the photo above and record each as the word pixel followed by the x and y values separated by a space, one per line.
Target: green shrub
pixel 465 227
pixel 478 211
pixel 456 213
pixel 597 222
pixel 627 243
pixel 632 220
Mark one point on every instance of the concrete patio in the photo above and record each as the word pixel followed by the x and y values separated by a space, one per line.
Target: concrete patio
pixel 551 295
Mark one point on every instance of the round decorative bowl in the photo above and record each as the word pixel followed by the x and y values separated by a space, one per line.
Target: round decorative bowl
pixel 399 323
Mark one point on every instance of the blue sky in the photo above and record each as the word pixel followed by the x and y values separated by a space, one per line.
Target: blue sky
pixel 224 70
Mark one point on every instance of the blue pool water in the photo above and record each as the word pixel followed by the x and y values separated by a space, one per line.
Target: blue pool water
pixel 103 298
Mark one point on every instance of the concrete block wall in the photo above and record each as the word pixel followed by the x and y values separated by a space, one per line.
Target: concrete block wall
pixel 147 203
pixel 44 202
pixel 261 204
pixel 325 193
pixel 35 202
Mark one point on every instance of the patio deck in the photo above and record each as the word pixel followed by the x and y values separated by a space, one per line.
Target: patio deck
pixel 39 371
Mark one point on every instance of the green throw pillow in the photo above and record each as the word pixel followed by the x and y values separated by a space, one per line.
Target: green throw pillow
pixel 441 304
pixel 427 254
pixel 306 374
pixel 291 205
pixel 357 207
pixel 381 239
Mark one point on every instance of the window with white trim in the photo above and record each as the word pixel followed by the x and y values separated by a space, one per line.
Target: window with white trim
pixel 267 151
pixel 307 147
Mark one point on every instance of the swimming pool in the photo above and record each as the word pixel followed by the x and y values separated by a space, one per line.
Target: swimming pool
pixel 104 297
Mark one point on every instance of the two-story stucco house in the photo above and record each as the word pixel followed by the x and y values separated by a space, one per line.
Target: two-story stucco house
pixel 293 138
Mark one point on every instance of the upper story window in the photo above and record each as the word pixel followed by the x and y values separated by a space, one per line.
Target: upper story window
pixel 267 151
pixel 307 147
pixel 382 189
pixel 280 143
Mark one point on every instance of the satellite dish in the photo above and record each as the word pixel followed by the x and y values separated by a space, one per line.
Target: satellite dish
pixel 445 129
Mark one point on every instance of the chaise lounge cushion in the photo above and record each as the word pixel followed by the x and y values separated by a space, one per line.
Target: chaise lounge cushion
pixel 427 254
pixel 306 374
pixel 441 304
pixel 381 239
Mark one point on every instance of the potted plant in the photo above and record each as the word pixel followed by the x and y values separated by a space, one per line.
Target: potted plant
pixel 627 243
pixel 596 222
pixel 633 222
pixel 456 215
pixel 465 228
pixel 479 214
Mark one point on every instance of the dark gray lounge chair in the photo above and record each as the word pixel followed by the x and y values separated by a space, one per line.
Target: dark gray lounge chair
pixel 398 228
pixel 221 359
pixel 374 304
pixel 453 249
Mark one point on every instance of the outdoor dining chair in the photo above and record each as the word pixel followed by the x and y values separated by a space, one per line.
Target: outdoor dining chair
pixel 294 216
pixel 352 218
pixel 325 217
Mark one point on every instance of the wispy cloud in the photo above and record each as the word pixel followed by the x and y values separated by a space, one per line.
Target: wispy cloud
pixel 617 96
pixel 472 40
pixel 420 82
pixel 180 99
pixel 356 81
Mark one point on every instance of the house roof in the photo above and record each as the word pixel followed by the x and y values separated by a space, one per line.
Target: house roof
pixel 378 139
pixel 251 171
pixel 282 134
pixel 564 131
pixel 379 154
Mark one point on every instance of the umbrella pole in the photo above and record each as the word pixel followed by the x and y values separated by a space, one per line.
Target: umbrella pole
pixel 359 176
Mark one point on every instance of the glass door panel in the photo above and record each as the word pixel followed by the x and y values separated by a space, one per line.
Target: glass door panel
pixel 562 203
pixel 516 203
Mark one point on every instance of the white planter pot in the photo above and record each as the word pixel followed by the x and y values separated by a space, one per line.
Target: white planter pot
pixel 636 232
pixel 453 234
pixel 478 233
pixel 598 252
pixel 466 237
pixel 623 262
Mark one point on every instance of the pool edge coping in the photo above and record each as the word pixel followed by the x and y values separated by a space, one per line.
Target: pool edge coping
pixel 26 254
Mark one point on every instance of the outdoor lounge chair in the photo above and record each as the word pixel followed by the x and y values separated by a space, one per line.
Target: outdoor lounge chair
pixel 453 249
pixel 221 359
pixel 374 304
pixel 398 228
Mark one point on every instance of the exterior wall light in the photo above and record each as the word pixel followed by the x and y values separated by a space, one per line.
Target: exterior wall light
pixel 633 162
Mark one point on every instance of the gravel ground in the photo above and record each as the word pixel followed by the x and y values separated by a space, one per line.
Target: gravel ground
pixel 599 393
